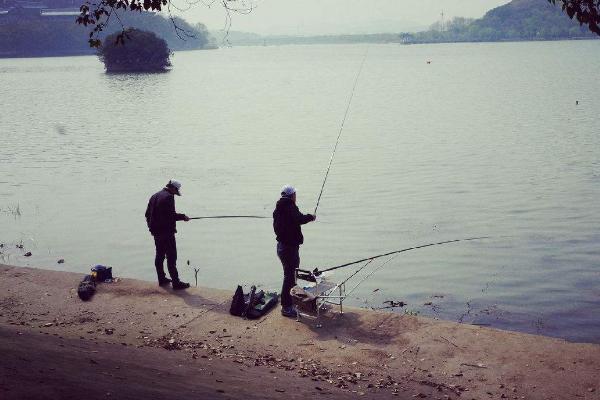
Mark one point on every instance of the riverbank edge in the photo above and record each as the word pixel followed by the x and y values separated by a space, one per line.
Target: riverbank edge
pixel 362 353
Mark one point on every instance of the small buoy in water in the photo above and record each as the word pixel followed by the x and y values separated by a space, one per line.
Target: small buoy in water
pixel 576 102
pixel 28 254
pixel 61 261
pixel 428 61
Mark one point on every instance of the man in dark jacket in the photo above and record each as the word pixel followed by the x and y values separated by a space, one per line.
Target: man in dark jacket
pixel 287 219
pixel 161 218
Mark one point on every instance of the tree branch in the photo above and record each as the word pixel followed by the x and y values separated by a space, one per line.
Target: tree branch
pixel 585 11
pixel 99 13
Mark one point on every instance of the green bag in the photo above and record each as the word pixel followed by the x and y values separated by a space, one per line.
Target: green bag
pixel 254 304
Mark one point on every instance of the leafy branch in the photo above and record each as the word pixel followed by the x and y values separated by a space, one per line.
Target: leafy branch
pixel 587 12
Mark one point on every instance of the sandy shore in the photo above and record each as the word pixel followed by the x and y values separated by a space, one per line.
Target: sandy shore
pixel 136 340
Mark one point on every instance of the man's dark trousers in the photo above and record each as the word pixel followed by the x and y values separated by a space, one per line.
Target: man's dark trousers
pixel 290 259
pixel 166 247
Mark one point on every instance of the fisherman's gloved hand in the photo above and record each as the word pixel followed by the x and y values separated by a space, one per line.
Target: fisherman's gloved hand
pixel 314 217
pixel 186 218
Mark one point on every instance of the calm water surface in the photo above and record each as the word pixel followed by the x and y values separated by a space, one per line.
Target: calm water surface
pixel 485 141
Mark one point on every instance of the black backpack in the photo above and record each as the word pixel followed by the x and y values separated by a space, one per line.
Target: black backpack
pixel 237 303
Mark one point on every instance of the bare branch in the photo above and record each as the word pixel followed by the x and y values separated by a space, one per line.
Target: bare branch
pixel 98 13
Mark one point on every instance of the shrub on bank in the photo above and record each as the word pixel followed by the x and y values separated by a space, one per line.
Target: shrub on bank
pixel 134 51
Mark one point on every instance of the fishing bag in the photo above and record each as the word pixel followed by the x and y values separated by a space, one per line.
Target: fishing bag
pixel 86 288
pixel 252 305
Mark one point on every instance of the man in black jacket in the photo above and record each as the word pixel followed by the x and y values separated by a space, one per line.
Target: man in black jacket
pixel 287 219
pixel 161 218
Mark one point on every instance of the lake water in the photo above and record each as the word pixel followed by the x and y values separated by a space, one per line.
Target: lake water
pixel 486 140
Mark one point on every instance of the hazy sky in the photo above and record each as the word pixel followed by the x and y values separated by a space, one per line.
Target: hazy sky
pixel 306 17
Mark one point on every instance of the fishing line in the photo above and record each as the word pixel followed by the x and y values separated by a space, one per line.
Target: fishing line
pixel 230 216
pixel 341 130
pixel 316 271
pixel 372 272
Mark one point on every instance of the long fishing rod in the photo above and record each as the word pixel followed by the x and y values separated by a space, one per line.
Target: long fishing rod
pixel 317 272
pixel 230 216
pixel 341 129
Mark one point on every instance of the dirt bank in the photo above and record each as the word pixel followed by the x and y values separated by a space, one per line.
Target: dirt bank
pixel 137 340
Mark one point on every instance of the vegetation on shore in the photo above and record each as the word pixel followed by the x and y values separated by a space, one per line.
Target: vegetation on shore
pixel 27 36
pixel 517 20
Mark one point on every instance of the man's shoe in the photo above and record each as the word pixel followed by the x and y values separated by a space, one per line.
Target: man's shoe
pixel 180 285
pixel 289 312
pixel 164 281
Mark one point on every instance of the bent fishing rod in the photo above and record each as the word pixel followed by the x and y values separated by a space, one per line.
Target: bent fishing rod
pixel 341 130
pixel 317 272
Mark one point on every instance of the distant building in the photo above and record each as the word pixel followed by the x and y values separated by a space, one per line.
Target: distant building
pixel 406 38
pixel 17 9
pixel 6 4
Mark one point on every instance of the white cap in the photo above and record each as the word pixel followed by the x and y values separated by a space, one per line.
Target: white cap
pixel 175 185
pixel 288 190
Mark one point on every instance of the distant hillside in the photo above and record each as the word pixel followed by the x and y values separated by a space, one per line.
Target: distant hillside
pixel 27 31
pixel 517 20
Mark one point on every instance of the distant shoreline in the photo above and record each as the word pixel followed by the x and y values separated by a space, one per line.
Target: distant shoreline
pixel 347 39
pixel 5 55
pixel 61 55
pixel 578 39
pixel 509 40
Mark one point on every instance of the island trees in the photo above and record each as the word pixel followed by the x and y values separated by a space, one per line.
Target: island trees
pixel 134 50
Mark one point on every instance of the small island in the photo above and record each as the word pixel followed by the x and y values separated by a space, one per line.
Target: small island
pixel 135 50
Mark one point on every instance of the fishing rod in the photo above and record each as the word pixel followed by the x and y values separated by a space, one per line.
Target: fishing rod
pixel 230 216
pixel 341 129
pixel 317 272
